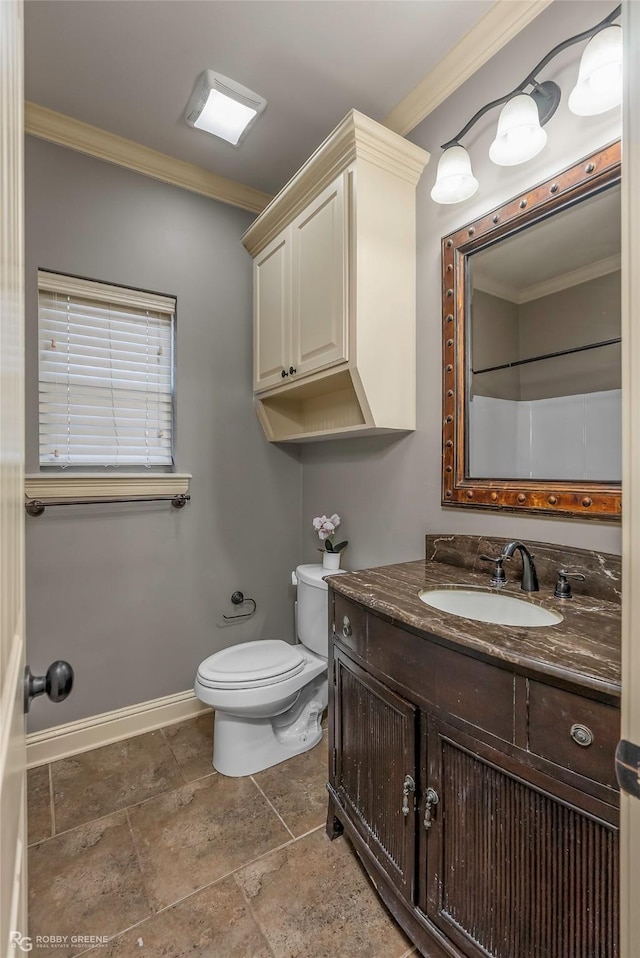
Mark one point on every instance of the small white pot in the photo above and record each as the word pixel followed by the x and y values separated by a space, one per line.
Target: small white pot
pixel 331 561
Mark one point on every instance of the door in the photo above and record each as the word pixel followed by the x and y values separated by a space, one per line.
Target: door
pixel 512 870
pixel 630 806
pixel 13 874
pixel 320 308
pixel 375 741
pixel 272 313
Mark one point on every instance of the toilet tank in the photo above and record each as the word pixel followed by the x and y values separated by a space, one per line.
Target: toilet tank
pixel 313 621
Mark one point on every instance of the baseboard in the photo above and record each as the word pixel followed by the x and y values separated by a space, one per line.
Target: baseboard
pixel 64 740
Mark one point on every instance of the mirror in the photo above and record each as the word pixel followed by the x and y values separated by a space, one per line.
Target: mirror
pixel 532 353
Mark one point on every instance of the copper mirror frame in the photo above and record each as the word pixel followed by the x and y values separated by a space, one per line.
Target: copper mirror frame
pixel 586 499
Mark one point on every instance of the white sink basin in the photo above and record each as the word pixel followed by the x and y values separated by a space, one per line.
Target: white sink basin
pixel 494 607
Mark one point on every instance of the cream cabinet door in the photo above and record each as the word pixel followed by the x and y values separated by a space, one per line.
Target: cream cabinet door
pixel 319 253
pixel 272 313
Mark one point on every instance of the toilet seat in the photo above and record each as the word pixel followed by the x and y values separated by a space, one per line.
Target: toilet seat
pixel 251 664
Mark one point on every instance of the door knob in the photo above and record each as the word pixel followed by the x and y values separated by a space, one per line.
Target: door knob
pixel 57 683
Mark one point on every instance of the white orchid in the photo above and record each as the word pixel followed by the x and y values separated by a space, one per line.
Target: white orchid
pixel 325 526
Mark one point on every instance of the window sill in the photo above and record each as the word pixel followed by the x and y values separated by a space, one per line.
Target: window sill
pixel 91 486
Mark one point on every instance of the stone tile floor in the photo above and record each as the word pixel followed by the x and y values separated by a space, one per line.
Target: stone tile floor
pixel 144 843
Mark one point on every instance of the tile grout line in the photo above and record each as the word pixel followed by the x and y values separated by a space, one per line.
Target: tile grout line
pixel 140 865
pixel 173 756
pixel 316 828
pixel 179 901
pixel 255 918
pixel 126 810
pixel 234 871
pixel 272 806
pixel 52 806
pixel 119 811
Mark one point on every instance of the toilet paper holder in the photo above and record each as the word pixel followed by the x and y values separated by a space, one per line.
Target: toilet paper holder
pixel 238 598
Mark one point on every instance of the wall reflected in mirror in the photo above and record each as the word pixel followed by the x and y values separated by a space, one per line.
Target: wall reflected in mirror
pixel 544 357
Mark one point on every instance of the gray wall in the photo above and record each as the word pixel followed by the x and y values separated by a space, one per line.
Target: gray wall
pixel 494 340
pixel 388 489
pixel 131 595
pixel 587 313
pixel 503 331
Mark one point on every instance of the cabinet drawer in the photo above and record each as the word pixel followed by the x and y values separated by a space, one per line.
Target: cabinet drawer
pixel 557 718
pixel 349 624
pixel 474 691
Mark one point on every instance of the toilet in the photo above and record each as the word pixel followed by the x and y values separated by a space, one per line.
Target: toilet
pixel 269 696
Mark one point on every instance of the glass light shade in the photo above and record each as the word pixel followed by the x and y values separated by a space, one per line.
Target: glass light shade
pixel 223 107
pixel 519 137
pixel 455 182
pixel 224 117
pixel 599 86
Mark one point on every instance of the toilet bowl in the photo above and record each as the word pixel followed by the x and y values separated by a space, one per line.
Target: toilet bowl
pixel 268 695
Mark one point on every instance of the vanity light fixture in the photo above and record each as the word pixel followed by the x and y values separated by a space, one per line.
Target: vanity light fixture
pixel 223 107
pixel 526 109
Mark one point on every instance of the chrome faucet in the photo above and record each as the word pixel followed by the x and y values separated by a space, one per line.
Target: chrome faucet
pixel 529 576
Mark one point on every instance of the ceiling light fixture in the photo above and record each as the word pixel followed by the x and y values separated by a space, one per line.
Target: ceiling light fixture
pixel 223 107
pixel 520 136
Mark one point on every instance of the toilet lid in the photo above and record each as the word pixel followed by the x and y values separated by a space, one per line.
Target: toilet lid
pixel 264 662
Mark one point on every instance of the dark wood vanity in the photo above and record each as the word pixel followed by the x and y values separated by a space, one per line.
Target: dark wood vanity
pixel 472 765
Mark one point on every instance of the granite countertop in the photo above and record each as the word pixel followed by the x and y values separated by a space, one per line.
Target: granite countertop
pixel 583 649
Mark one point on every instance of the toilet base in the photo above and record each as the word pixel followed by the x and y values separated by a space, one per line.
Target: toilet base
pixel 244 746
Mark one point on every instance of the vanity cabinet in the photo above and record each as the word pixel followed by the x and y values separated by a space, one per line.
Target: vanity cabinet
pixel 508 845
pixel 334 286
pixel 375 768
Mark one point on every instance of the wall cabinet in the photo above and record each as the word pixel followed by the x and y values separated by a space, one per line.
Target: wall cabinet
pixel 486 833
pixel 334 289
pixel 300 284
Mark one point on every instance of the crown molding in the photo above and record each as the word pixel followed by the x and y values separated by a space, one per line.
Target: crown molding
pixel 357 137
pixel 75 135
pixel 500 24
pixel 583 274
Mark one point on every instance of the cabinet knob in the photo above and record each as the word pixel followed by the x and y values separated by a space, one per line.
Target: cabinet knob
pixel 346 627
pixel 292 370
pixel 284 373
pixel 581 735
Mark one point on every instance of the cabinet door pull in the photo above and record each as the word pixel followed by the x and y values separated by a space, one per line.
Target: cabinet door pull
pixel 292 370
pixel 432 800
pixel 409 786
pixel 581 735
pixel 284 373
pixel 346 627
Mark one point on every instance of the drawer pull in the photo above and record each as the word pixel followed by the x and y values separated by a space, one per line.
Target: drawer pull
pixel 432 800
pixel 346 627
pixel 581 735
pixel 408 786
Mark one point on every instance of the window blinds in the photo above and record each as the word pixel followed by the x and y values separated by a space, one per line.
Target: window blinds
pixel 106 374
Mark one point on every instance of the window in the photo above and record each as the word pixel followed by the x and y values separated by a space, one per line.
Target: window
pixel 106 374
